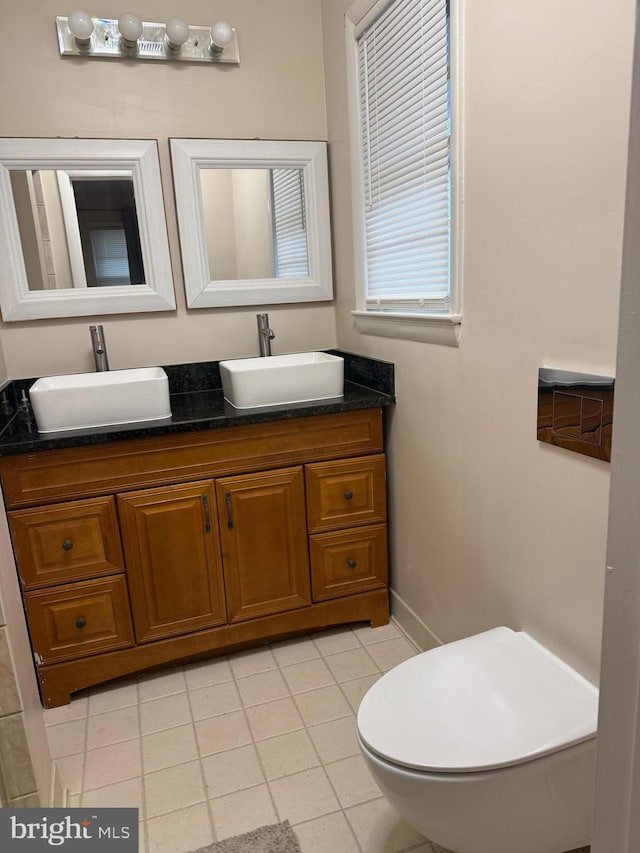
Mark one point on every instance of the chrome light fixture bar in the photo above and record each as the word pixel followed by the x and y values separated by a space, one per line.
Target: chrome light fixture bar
pixel 130 38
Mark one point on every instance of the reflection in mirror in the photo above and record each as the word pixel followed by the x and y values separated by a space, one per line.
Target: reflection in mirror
pixel 263 234
pixel 254 221
pixel 82 228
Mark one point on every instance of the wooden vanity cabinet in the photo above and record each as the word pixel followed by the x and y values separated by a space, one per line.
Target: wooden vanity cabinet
pixel 136 554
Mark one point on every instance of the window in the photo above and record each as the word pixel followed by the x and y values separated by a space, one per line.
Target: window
pixel 402 155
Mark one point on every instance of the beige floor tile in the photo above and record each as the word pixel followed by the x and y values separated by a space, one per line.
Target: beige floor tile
pixel 75 710
pixel 168 748
pixel 346 666
pixel 274 718
pixel 352 781
pixel 67 738
pixel 336 640
pixel 379 828
pixel 242 811
pixel 391 652
pixel 179 832
pixel 173 788
pixel 368 635
pixel 111 764
pixel 320 706
pixel 121 795
pixel 160 684
pixel 112 727
pixel 165 713
pixel 262 687
pixel 233 770
pixel 112 696
pixel 309 675
pixel 214 699
pixel 294 651
pixel 252 662
pixel 287 754
pixel 328 834
pixel 303 796
pixel 70 770
pixel 355 690
pixel 214 671
pixel 227 731
pixel 336 739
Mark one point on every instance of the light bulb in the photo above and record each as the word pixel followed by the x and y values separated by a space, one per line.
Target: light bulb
pixel 177 33
pixel 130 27
pixel 221 36
pixel 80 26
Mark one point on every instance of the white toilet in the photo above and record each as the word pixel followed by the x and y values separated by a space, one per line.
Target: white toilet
pixel 486 745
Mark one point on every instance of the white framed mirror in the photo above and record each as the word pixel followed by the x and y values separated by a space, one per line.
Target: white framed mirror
pixel 82 229
pixel 253 217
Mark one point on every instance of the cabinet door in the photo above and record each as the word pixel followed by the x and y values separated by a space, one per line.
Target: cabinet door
pixel 66 542
pixel 349 561
pixel 347 493
pixel 170 538
pixel 78 619
pixel 264 542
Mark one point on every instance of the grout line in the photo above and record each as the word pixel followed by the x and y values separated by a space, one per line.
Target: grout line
pixel 142 830
pixel 212 826
pixel 248 724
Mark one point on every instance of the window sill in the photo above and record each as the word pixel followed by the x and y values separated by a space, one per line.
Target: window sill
pixel 443 329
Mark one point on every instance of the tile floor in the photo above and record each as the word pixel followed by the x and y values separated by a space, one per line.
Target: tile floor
pixel 213 749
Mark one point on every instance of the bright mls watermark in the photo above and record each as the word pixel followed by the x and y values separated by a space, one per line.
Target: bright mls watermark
pixel 69 830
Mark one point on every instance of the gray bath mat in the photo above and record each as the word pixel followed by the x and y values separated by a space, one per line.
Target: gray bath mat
pixel 276 838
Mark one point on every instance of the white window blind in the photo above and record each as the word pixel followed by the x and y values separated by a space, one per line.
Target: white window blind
pixel 403 86
pixel 110 256
pixel 290 235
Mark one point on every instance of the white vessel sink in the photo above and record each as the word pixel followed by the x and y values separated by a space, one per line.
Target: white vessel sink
pixel 113 397
pixel 249 383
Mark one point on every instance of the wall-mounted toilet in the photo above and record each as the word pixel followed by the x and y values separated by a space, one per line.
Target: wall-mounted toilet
pixel 486 745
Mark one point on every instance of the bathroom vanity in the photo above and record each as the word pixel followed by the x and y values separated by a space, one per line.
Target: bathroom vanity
pixel 219 530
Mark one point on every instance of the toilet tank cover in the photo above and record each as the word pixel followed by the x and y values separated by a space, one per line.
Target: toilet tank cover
pixel 488 701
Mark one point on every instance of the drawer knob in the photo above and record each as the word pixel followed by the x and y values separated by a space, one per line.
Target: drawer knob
pixel 348 495
pixel 67 545
pixel 352 564
pixel 80 622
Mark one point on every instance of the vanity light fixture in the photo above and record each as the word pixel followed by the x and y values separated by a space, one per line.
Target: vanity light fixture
pixel 130 38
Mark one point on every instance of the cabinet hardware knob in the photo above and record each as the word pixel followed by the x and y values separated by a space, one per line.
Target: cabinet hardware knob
pixel 67 545
pixel 352 564
pixel 80 622
pixel 348 495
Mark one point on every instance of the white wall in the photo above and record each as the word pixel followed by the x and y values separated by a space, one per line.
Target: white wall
pixel 277 92
pixel 488 525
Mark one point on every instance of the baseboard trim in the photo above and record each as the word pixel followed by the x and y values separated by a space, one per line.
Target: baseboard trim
pixel 411 624
pixel 59 794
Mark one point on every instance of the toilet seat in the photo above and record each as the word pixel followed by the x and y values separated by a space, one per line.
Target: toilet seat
pixel 489 701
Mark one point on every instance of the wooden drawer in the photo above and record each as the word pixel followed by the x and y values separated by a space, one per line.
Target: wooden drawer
pixel 68 542
pixel 351 561
pixel 79 619
pixel 345 494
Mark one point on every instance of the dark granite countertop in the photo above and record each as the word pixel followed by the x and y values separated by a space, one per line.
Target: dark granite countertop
pixel 197 403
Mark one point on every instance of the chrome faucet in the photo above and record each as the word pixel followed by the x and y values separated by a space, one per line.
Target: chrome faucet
pixel 99 348
pixel 265 334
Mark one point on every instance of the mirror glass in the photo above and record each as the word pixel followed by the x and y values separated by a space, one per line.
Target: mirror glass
pixel 253 217
pixel 81 228
pixel 82 223
pixel 263 234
